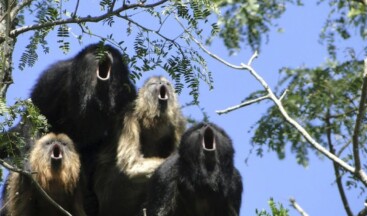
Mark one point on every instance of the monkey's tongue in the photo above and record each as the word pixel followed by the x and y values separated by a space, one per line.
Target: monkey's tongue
pixel 104 67
pixel 163 93
pixel 208 139
pixel 56 153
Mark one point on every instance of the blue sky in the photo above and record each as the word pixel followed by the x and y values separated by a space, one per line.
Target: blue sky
pixel 313 187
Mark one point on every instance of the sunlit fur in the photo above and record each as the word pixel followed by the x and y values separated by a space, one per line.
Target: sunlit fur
pixel 61 184
pixel 39 159
pixel 152 129
pixel 148 118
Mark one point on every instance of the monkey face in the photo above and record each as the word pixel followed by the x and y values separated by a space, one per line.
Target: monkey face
pixel 158 93
pixel 206 144
pixel 52 150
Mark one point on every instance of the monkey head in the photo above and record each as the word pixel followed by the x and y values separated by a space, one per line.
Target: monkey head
pixel 157 97
pixel 54 158
pixel 208 150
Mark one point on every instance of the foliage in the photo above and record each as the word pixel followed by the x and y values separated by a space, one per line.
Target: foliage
pixel 324 100
pixel 319 99
pixel 13 141
pixel 275 211
pixel 248 21
pixel 344 20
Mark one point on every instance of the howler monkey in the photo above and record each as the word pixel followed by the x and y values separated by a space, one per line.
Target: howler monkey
pixel 56 167
pixel 199 180
pixel 83 96
pixel 152 129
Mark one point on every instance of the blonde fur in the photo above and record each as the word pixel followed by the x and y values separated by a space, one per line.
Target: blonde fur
pixel 39 160
pixel 20 193
pixel 147 116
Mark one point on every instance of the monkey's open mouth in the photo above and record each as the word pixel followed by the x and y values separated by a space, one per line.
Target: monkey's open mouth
pixel 56 153
pixel 104 66
pixel 163 95
pixel 209 140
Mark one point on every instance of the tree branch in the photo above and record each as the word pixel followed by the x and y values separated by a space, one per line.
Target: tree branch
pixel 360 116
pixel 246 103
pixel 76 9
pixel 23 29
pixel 361 174
pixel 338 177
pixel 35 183
pixel 296 206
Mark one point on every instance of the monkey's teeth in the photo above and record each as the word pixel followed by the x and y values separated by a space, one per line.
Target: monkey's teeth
pixel 163 93
pixel 104 67
pixel 209 139
pixel 56 152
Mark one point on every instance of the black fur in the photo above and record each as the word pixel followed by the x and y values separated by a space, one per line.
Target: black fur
pixel 78 103
pixel 87 108
pixel 195 181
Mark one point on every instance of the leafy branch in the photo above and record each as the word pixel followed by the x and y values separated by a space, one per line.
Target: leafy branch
pixel 361 175
pixel 74 19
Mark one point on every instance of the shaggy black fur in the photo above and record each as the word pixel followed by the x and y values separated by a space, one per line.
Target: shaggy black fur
pixel 200 179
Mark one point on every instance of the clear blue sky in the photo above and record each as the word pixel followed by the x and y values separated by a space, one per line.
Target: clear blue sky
pixel 313 187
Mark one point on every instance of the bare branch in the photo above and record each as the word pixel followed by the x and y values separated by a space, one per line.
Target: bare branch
pixel 283 95
pixel 76 9
pixel 35 183
pixel 296 206
pixel 361 174
pixel 246 103
pixel 253 57
pixel 23 29
pixel 360 116
pixel 338 176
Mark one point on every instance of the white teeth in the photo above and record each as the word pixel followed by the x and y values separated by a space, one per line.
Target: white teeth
pixel 163 98
pixel 104 78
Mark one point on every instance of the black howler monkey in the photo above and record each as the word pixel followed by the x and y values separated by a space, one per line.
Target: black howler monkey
pixel 83 96
pixel 199 180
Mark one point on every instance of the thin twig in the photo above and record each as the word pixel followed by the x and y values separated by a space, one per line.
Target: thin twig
pixel 297 207
pixel 360 117
pixel 338 176
pixel 76 9
pixel 246 103
pixel 75 19
pixel 253 57
pixel 35 183
pixel 283 95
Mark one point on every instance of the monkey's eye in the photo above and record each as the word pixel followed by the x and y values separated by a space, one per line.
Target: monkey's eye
pixel 50 142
